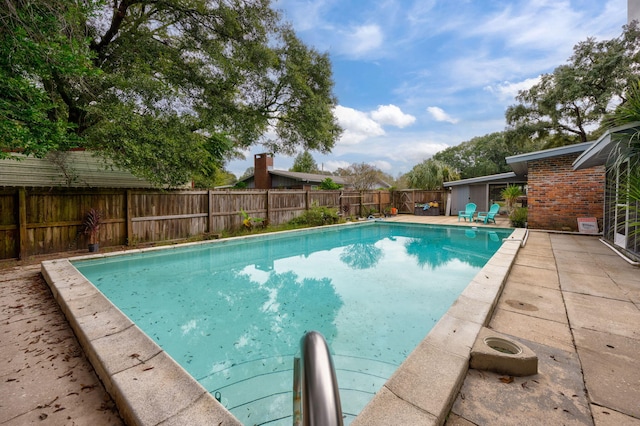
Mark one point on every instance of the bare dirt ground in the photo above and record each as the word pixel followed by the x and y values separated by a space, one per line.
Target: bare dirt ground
pixel 45 377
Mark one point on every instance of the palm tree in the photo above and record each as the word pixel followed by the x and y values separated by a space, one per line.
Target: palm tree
pixel 510 195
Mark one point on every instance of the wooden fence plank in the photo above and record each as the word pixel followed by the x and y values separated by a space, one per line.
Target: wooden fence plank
pixel 22 223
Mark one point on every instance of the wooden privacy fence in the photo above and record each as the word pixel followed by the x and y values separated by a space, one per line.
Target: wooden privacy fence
pixel 36 221
pixel 406 199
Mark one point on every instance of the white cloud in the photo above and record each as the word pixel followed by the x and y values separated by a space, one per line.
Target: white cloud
pixel 333 165
pixel 392 115
pixel 306 15
pixel 532 24
pixel 362 40
pixel 418 151
pixel 420 12
pixel 439 115
pixel 357 125
pixel 508 91
pixel 385 166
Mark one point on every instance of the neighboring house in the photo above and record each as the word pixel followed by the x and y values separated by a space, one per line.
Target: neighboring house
pixel 266 177
pixel 72 169
pixel 556 194
pixel 482 191
pixel 619 212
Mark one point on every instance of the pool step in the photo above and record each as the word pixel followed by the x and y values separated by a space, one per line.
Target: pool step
pixel 260 391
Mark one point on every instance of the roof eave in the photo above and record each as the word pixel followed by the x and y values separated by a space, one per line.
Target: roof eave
pixel 519 163
pixel 598 153
pixel 481 179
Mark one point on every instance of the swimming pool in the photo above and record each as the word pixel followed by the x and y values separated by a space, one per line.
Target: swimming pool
pixel 393 263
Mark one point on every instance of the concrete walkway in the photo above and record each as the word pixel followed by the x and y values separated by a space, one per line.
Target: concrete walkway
pixel 569 298
pixel 575 303
pixel 45 378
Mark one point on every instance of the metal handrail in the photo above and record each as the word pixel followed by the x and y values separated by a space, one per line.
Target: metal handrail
pixel 316 398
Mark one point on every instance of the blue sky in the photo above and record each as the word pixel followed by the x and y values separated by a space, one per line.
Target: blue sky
pixel 415 77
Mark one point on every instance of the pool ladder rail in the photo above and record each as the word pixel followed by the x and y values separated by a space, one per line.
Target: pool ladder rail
pixel 316 398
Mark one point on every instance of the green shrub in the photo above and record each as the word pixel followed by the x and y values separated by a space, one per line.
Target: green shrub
pixel 317 216
pixel 518 217
pixel 329 184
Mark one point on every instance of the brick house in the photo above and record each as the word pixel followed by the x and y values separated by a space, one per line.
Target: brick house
pixel 557 195
pixel 266 177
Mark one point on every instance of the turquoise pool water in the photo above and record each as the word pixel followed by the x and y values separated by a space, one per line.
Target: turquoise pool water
pixel 232 312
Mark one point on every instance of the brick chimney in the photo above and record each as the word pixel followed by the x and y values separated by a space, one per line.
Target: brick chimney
pixel 262 164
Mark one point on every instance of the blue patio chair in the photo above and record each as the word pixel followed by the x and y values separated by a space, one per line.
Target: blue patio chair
pixel 469 211
pixel 485 217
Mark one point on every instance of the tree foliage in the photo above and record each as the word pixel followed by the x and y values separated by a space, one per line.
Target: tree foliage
pixel 165 89
pixel 569 103
pixel 361 176
pixel 430 174
pixel 329 185
pixel 482 155
pixel 41 45
pixel 304 163
pixel 626 113
pixel 220 177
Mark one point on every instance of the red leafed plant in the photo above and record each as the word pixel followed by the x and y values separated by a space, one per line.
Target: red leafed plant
pixel 91 225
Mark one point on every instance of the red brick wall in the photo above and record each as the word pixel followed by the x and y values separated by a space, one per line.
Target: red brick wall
pixel 558 195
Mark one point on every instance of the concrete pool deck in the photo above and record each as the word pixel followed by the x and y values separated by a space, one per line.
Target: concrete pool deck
pixel 570 298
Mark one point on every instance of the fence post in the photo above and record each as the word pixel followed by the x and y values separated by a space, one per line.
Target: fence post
pixel 210 211
pixel 267 192
pixel 129 223
pixel 306 200
pixel 22 223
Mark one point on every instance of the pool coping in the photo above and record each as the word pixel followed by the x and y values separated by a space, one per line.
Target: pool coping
pixel 135 370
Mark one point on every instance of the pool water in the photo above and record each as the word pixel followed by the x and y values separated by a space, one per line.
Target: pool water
pixel 232 312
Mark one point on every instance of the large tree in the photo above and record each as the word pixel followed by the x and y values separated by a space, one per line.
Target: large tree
pixel 361 176
pixel 568 105
pixel 165 88
pixel 304 163
pixel 482 155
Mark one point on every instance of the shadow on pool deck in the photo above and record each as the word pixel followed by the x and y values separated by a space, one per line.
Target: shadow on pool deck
pixel 581 318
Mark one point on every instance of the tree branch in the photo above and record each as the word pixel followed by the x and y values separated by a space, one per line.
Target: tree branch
pixel 119 13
